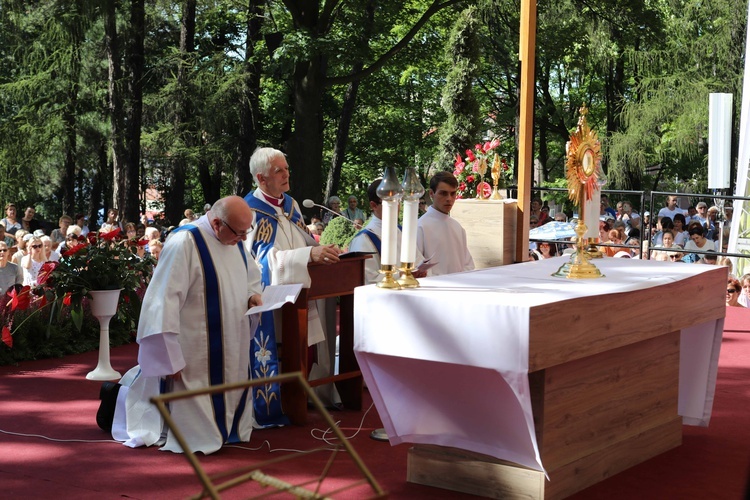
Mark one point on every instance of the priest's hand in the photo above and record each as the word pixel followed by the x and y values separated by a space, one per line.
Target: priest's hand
pixel 419 274
pixel 255 300
pixel 325 254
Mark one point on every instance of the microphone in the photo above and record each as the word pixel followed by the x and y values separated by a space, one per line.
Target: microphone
pixel 311 204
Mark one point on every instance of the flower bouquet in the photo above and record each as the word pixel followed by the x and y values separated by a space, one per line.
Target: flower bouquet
pixel 470 171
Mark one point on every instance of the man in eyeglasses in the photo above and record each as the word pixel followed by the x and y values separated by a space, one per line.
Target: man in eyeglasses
pixel 193 333
pixel 283 246
pixel 10 274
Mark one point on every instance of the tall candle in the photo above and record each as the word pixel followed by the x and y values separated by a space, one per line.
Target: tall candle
pixel 409 232
pixel 591 214
pixel 388 245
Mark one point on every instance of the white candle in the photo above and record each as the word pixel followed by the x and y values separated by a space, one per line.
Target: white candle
pixel 388 244
pixel 591 214
pixel 409 232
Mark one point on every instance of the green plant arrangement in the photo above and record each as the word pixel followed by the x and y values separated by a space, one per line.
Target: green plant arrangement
pixel 101 262
pixel 339 232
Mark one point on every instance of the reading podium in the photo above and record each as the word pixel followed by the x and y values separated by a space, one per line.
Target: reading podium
pixel 502 375
pixel 327 281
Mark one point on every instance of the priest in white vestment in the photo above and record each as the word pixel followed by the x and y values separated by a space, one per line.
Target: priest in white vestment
pixel 283 246
pixel 441 238
pixel 193 333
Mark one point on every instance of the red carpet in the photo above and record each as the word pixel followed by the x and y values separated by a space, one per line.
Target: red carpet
pixel 51 398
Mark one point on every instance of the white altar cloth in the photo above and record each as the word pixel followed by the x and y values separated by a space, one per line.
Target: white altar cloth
pixel 447 363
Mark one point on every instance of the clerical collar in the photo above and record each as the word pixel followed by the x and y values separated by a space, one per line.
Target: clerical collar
pixel 273 201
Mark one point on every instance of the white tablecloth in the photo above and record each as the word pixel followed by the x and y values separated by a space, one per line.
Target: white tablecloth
pixel 447 363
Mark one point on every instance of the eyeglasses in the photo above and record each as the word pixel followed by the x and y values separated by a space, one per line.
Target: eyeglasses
pixel 36 246
pixel 674 257
pixel 732 290
pixel 3 250
pixel 237 233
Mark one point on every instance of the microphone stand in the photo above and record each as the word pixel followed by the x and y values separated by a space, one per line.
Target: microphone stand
pixel 311 204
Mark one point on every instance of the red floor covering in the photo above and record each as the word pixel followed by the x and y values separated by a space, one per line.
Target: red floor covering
pixel 64 454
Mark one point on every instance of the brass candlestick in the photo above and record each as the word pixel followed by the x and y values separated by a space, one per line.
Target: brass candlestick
pixel 592 250
pixel 388 282
pixel 496 178
pixel 407 279
pixel 480 185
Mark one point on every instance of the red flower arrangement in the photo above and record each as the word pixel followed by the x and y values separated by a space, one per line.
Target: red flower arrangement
pixel 469 170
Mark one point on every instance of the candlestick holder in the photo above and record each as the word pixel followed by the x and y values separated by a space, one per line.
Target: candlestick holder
pixel 388 282
pixel 407 279
pixel 592 250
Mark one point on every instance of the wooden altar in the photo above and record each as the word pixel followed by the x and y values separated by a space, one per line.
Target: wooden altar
pixel 603 389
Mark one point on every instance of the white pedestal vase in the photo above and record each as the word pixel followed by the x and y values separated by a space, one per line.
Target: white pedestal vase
pixel 103 307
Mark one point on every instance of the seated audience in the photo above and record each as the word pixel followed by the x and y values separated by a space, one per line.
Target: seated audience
pixel 32 263
pixel 745 295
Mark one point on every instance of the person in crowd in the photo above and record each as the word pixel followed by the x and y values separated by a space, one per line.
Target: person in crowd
pixel 728 213
pixel 28 222
pixel 676 256
pixel 547 249
pixel 665 247
pixel 190 215
pixel 681 235
pixel 702 215
pixel 72 238
pixel 130 231
pixel 10 274
pixel 58 235
pixel 422 206
pixel 315 231
pixel 645 222
pixel 144 220
pixel 22 240
pixel 536 211
pixel 744 298
pixel 618 210
pixel 726 262
pixel 155 247
pixel 11 222
pixel 664 224
pixel 633 228
pixel 50 254
pixel 698 241
pixel 7 238
pixel 692 214
pixel 670 209
pixel 112 221
pixel 283 247
pixel 140 231
pixel 561 217
pixel 351 211
pixel 709 258
pixel 439 237
pixel 369 239
pixel 358 223
pixel 197 299
pixel 82 221
pixel 608 208
pixel 733 293
pixel 32 263
pixel 614 238
pixel 334 203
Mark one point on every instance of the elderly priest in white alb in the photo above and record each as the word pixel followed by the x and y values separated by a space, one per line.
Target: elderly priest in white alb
pixel 193 333
pixel 440 238
pixel 283 246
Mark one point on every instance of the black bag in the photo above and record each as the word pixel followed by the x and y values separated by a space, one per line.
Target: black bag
pixel 106 413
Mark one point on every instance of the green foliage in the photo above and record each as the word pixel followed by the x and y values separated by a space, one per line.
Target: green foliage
pixel 339 231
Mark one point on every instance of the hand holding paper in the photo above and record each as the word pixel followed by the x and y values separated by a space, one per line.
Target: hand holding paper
pixel 275 296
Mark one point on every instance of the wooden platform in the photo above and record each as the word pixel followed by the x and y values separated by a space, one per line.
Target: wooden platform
pixel 604 381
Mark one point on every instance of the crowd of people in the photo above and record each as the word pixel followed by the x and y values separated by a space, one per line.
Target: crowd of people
pixel 697 234
pixel 26 243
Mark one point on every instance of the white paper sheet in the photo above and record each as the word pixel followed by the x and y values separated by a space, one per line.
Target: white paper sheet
pixel 275 296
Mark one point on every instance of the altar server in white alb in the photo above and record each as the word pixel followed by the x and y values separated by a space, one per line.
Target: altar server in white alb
pixel 283 247
pixel 369 238
pixel 193 333
pixel 439 237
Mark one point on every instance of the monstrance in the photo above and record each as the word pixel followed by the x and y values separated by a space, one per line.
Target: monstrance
pixel 582 169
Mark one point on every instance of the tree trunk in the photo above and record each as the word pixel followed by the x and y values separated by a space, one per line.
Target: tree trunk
pixel 305 147
pixel 117 148
pixel 175 201
pixel 130 188
pixel 250 107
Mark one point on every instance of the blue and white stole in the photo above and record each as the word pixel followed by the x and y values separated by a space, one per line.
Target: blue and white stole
pixel 373 238
pixel 264 355
pixel 216 335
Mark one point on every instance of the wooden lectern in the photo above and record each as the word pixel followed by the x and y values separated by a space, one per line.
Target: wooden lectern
pixel 337 280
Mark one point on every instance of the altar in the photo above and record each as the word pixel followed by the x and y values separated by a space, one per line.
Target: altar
pixel 516 384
